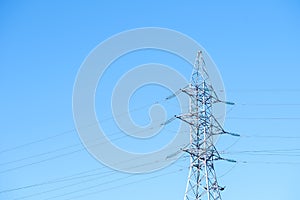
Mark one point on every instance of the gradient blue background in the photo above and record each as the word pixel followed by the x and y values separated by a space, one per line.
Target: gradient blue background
pixel 255 45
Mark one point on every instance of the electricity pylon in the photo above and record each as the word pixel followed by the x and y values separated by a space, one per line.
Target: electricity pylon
pixel 204 128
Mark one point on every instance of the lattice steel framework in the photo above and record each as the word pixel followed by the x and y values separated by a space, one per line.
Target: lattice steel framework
pixel 202 181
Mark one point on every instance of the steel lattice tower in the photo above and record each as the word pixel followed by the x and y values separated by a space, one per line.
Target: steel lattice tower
pixel 202 181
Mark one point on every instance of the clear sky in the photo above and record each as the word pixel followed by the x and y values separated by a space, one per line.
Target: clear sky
pixel 255 45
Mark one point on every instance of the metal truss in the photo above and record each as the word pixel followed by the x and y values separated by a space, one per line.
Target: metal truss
pixel 202 181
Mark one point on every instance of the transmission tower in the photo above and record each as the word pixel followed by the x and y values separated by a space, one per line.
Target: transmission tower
pixel 204 127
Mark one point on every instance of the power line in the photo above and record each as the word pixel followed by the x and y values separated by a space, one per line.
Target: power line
pixel 81 149
pixel 72 130
pixel 60 155
pixel 82 182
pixel 268 152
pixel 41 161
pixel 75 176
pixel 142 107
pixel 228 171
pixel 118 186
pixel 40 154
pixel 269 162
pixel 79 144
pixel 60 149
pixel 37 141
pixel 264 118
pixel 110 117
pixel 253 90
pixel 69 178
pixel 268 104
pixel 66 186
pixel 110 173
pixel 271 136
pixel 157 176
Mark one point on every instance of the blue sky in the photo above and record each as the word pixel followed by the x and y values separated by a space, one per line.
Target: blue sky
pixel 255 45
